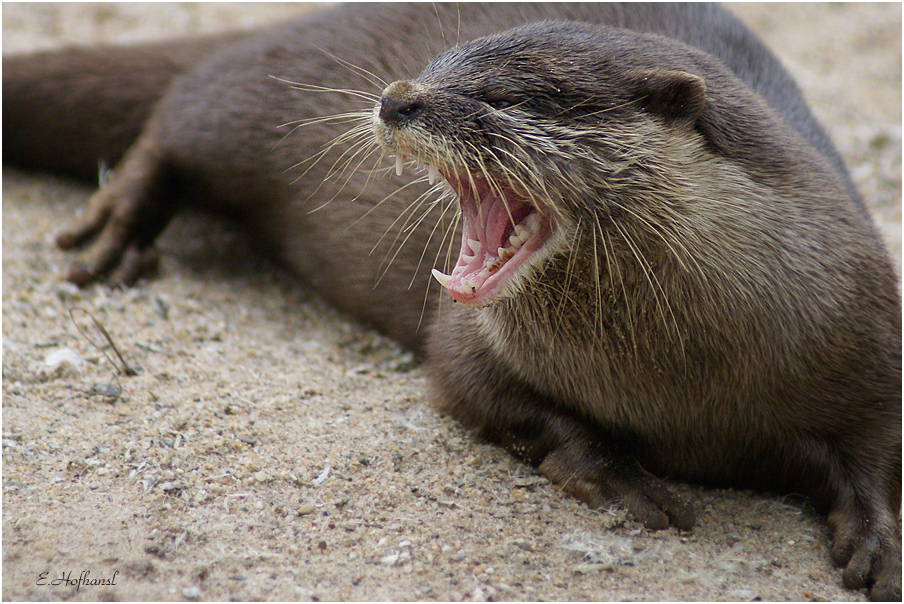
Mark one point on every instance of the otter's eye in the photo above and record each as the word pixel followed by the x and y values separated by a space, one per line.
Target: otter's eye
pixel 496 98
pixel 498 103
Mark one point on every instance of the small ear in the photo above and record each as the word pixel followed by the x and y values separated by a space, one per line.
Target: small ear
pixel 671 94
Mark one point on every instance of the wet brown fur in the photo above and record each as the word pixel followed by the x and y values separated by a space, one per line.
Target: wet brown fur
pixel 737 323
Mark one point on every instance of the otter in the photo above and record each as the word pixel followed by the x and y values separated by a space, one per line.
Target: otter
pixel 663 270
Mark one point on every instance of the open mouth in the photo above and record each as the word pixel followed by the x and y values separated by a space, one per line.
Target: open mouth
pixel 501 231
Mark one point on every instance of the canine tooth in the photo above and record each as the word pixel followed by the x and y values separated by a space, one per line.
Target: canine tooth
pixel 443 278
pixel 399 164
pixel 432 173
pixel 475 246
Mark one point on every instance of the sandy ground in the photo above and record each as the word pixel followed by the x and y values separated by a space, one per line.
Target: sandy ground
pixel 271 449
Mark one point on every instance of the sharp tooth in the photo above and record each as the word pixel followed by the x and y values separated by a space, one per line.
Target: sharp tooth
pixel 506 254
pixel 443 278
pixel 475 246
pixel 432 173
pixel 515 240
pixel 532 222
pixel 399 164
pixel 471 284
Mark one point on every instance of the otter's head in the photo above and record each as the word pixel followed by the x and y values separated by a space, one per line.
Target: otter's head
pixel 538 130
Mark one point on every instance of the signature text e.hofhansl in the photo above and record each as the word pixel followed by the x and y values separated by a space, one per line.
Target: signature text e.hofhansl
pixel 83 579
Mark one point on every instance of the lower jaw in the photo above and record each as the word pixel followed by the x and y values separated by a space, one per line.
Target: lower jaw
pixel 497 277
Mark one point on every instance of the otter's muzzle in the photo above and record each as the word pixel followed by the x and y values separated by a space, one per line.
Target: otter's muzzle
pixel 399 104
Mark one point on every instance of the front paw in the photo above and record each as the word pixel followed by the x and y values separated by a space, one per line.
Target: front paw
pixel 122 220
pixel 600 481
pixel 868 547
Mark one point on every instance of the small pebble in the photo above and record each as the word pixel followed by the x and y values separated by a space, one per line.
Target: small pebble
pixel 64 359
pixel 390 559
pixel 191 592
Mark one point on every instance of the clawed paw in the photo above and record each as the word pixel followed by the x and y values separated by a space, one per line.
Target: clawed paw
pixel 601 482
pixel 119 226
pixel 869 550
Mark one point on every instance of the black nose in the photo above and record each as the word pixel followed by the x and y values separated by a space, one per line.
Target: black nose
pixel 396 111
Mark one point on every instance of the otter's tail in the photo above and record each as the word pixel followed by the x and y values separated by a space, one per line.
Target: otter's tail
pixel 69 111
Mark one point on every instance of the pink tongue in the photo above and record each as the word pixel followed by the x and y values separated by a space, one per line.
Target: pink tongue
pixel 494 224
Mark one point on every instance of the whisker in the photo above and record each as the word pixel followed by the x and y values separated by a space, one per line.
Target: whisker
pixel 360 132
pixel 439 220
pixel 610 256
pixel 439 23
pixel 368 75
pixel 651 229
pixel 406 213
pixel 445 233
pixel 304 87
pixel 595 265
pixel 662 305
pixel 367 153
pixel 381 202
pixel 339 118
pixel 409 231
pixel 569 274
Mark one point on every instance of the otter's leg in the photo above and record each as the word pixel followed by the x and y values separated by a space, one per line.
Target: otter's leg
pixel 124 217
pixel 867 541
pixel 572 452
